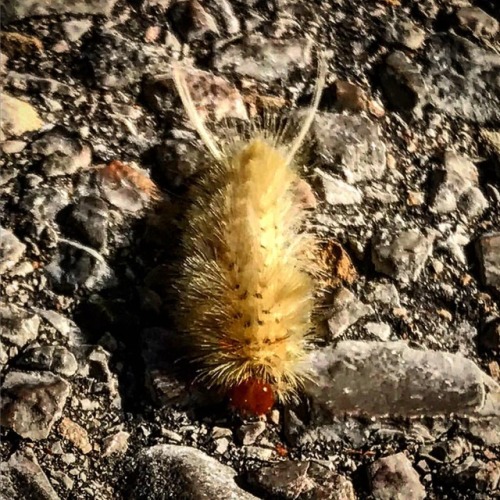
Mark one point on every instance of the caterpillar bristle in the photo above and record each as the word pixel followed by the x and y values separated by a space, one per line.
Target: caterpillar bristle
pixel 247 282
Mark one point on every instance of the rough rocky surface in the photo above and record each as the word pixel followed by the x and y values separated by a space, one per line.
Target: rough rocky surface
pixel 401 176
pixel 180 471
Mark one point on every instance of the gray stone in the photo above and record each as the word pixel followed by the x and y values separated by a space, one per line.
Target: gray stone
pixel 463 79
pixel 170 471
pixel 76 267
pixel 347 310
pixel 191 21
pixel 403 84
pixel 32 402
pixel 76 28
pixel 380 330
pixel 87 221
pixel 20 9
pixel 56 359
pixel 44 203
pixel 63 325
pixel 294 479
pixel 18 327
pixel 118 62
pixel 22 478
pixel 264 59
pixel 377 378
pixel 64 154
pixel 488 248
pixel 338 192
pixel 457 177
pixel 11 250
pixel 485 429
pixel 384 293
pixel 401 255
pixel 406 33
pixel 483 476
pixel 477 21
pixel 12 147
pixel 35 84
pixel 248 433
pixel 351 144
pixel 394 478
pixel 116 443
pixel 473 203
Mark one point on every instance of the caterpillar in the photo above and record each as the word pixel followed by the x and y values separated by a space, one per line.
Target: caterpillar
pixel 246 283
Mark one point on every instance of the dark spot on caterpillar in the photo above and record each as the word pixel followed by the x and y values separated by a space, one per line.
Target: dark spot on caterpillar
pixel 266 311
pixel 236 287
pixel 260 322
pixel 257 295
pixel 237 315
pixel 276 320
pixel 267 341
pixel 247 324
pixel 244 295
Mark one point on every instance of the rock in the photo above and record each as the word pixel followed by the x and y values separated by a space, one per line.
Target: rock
pixel 75 434
pixel 118 62
pixel 12 147
pixel 77 266
pixel 451 450
pixel 380 330
pixel 488 249
pixel 403 84
pixel 18 327
pixel 13 11
pixel 384 293
pixel 351 144
pixel 126 187
pixel 63 325
pixel 32 402
pixel 489 337
pixel 473 203
pixel 458 176
pixel 11 250
pixel 248 433
pixel 462 79
pixel 486 430
pixel 292 480
pixel 482 476
pixel 191 21
pixel 213 96
pixel 394 478
pixel 347 310
pixel 377 378
pixel 56 359
pixel 43 204
pixel 475 20
pixel 18 117
pixel 98 369
pixel 64 154
pixel 349 96
pixel 34 84
pixel 406 33
pixel 115 444
pixel 402 255
pixel 265 60
pixel 170 471
pixel 76 28
pixel 338 192
pixel 22 477
pixel 87 221
pixel 16 45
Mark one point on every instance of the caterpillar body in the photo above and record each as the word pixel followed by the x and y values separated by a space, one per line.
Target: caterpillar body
pixel 246 283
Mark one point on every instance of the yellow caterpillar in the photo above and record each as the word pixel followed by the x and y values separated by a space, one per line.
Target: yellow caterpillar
pixel 246 284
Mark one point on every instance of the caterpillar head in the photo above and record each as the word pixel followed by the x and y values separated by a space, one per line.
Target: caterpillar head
pixel 252 396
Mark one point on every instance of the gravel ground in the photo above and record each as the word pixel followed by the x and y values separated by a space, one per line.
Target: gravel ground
pixel 96 161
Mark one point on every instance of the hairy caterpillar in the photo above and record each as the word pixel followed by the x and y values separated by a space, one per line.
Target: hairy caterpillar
pixel 246 283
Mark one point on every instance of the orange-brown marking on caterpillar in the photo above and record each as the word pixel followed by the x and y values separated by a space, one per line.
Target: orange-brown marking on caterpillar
pixel 253 396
